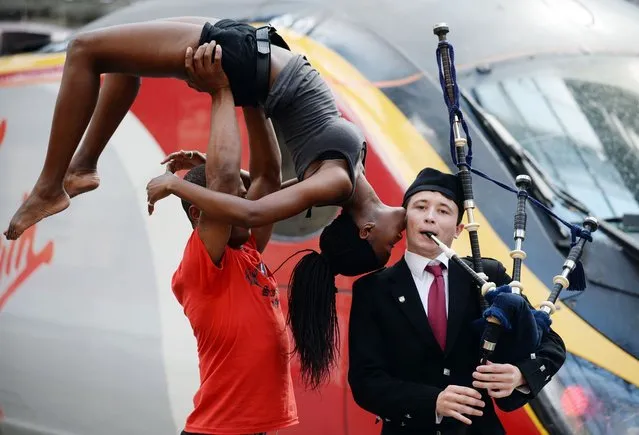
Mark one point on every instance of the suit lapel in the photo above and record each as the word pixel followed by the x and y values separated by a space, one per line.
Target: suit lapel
pixel 458 295
pixel 406 296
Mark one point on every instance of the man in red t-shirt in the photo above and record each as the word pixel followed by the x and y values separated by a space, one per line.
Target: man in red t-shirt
pixel 227 292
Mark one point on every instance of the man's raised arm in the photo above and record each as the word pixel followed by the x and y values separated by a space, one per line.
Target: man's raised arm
pixel 224 150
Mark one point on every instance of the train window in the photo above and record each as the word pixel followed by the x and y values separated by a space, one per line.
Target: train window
pixel 422 104
pixel 365 50
pixel 580 126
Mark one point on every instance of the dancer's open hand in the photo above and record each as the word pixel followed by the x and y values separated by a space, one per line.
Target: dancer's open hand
pixel 159 188
pixel 181 160
pixel 205 72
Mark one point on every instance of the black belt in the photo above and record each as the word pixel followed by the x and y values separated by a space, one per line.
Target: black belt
pixel 263 70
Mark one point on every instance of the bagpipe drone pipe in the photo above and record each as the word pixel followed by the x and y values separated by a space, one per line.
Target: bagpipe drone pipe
pixel 505 308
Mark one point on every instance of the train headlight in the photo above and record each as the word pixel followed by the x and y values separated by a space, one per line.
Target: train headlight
pixel 584 398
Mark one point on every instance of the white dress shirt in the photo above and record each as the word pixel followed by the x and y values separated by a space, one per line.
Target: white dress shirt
pixel 423 279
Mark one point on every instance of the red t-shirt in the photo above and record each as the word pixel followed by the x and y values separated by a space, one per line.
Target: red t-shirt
pixel 242 342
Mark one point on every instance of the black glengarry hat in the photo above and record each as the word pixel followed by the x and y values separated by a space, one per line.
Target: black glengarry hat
pixel 448 185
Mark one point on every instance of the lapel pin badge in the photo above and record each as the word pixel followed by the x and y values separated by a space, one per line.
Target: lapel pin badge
pixel 402 299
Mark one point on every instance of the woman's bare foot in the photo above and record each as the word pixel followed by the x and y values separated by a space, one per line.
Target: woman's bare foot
pixel 79 181
pixel 33 210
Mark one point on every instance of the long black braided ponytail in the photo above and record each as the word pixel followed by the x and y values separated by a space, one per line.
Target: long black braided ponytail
pixel 312 312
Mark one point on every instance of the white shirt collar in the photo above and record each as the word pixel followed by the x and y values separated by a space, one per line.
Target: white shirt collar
pixel 417 264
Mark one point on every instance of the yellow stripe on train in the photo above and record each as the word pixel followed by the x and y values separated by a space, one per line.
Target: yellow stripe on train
pixel 30 62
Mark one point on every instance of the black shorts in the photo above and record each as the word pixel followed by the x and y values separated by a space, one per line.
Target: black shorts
pixel 239 59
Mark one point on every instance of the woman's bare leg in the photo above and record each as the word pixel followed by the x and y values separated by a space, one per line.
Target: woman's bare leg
pixel 153 49
pixel 116 97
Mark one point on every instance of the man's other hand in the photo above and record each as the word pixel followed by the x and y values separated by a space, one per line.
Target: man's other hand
pixel 159 188
pixel 455 401
pixel 181 160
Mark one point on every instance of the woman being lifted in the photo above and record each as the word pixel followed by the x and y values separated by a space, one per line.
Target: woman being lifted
pixel 328 152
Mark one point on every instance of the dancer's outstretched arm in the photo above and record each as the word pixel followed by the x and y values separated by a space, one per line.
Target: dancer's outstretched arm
pixel 327 187
pixel 185 160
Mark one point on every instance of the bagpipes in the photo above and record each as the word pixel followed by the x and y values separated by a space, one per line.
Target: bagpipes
pixel 503 308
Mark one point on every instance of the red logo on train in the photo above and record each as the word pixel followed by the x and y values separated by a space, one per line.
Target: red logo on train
pixel 18 258
pixel 3 129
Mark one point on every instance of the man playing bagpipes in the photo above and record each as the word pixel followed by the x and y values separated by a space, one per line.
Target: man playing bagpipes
pixel 413 343
pixel 391 373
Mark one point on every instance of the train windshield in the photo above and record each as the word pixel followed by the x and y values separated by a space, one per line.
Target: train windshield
pixel 577 117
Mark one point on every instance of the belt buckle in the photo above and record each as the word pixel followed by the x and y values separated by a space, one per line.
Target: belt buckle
pixel 263 40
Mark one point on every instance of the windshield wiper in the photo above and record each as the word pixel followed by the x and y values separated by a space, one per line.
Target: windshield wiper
pixel 628 243
pixel 629 221
pixel 518 156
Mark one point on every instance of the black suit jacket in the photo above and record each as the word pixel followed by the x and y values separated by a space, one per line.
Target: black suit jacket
pixel 396 367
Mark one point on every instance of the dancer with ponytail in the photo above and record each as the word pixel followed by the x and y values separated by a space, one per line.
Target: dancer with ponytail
pixel 312 312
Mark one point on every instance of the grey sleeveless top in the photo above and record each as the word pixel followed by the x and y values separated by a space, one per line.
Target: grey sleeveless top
pixel 302 105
